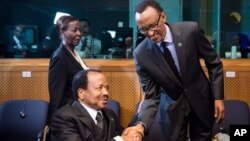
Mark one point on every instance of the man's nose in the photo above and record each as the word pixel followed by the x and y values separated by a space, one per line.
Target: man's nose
pixel 79 32
pixel 105 91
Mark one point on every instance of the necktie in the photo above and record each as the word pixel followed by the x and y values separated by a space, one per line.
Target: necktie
pixel 169 58
pixel 99 120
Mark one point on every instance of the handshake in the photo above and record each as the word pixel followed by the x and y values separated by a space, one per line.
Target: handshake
pixel 134 133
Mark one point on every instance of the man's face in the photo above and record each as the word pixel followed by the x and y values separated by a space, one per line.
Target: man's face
pixel 153 23
pixel 85 28
pixel 128 41
pixel 19 31
pixel 96 95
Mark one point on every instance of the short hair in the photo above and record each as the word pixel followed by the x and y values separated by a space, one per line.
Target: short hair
pixel 140 7
pixel 63 22
pixel 85 20
pixel 80 80
pixel 21 26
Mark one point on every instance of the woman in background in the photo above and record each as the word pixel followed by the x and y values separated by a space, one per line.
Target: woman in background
pixel 64 63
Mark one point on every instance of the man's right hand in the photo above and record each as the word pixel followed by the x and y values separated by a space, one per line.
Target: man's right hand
pixel 134 133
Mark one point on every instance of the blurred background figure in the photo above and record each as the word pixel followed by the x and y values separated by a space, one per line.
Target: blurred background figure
pixel 129 47
pixel 2 49
pixel 50 43
pixel 244 45
pixel 139 37
pixel 17 45
pixel 107 43
pixel 89 46
pixel 241 41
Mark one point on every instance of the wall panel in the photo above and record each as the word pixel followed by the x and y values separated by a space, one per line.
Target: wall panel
pixel 123 80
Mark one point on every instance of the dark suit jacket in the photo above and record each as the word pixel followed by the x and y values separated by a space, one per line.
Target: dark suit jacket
pixel 62 68
pixel 73 123
pixel 156 77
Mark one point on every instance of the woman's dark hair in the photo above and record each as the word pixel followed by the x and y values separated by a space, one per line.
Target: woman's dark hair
pixel 63 22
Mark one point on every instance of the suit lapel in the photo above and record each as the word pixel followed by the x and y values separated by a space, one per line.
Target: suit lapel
pixel 85 118
pixel 71 57
pixel 160 61
pixel 179 47
pixel 110 123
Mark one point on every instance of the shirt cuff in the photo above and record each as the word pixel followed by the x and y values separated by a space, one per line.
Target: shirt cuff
pixel 118 138
pixel 144 126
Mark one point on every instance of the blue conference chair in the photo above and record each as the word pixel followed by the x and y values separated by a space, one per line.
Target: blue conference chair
pixel 115 106
pixel 236 113
pixel 22 120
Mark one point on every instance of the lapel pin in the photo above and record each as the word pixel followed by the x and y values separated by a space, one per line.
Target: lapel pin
pixel 179 44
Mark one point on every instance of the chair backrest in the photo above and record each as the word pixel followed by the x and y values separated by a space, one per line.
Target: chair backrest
pixel 236 113
pixel 115 106
pixel 22 120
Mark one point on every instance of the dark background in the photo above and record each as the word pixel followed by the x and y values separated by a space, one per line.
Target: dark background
pixel 102 14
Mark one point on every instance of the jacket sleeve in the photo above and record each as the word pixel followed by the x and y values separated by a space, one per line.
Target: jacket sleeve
pixel 151 90
pixel 212 62
pixel 57 82
pixel 66 127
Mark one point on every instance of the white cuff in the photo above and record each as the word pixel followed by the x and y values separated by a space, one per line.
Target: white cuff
pixel 118 138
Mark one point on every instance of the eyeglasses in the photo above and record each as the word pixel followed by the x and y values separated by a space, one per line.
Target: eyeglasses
pixel 151 27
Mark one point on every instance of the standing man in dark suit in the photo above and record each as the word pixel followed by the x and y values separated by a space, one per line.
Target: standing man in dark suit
pixel 168 65
pixel 64 63
pixel 79 121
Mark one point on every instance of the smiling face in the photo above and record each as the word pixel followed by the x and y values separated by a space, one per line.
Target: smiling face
pixel 96 94
pixel 151 23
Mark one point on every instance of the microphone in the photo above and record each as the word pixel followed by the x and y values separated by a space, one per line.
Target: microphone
pixel 22 112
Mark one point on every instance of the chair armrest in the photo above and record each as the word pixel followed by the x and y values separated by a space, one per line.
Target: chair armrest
pixel 42 135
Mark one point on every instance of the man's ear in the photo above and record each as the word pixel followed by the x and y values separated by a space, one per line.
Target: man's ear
pixel 80 93
pixel 164 16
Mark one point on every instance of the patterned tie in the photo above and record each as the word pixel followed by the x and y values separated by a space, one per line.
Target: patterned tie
pixel 99 120
pixel 169 58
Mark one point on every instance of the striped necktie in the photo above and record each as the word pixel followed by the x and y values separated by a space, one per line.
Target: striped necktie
pixel 99 120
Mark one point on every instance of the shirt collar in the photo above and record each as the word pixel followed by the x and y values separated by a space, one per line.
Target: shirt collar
pixel 168 37
pixel 91 111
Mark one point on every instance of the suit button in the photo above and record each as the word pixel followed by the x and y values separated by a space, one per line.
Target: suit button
pixel 185 90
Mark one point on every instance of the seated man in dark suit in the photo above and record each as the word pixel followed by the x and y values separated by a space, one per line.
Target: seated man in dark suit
pixel 80 121
pixel 17 42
